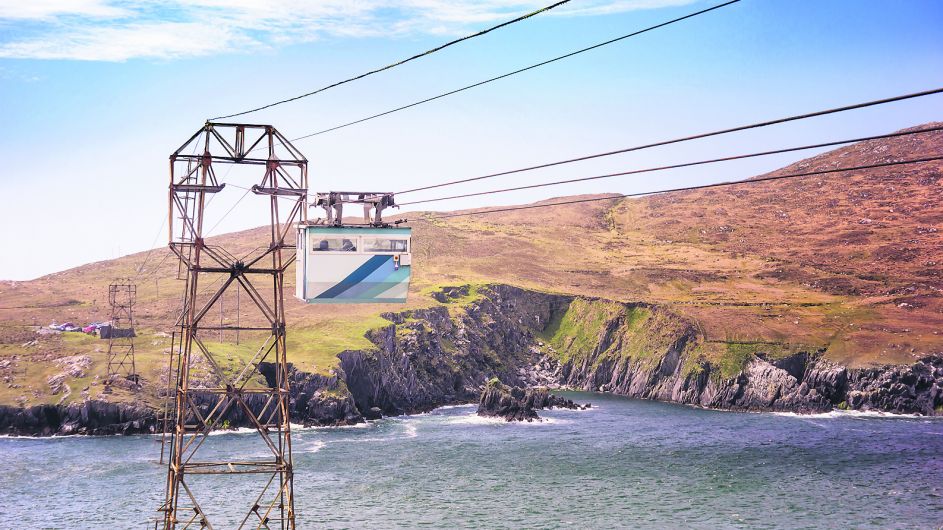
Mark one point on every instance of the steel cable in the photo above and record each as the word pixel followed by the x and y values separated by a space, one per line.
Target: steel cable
pixel 515 72
pixel 685 139
pixel 688 188
pixel 682 165
pixel 398 63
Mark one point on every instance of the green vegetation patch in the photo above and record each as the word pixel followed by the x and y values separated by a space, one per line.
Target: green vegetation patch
pixel 732 356
pixel 735 358
pixel 576 332
pixel 80 339
pixel 649 334
pixel 644 334
pixel 693 366
pixel 474 294
pixel 315 348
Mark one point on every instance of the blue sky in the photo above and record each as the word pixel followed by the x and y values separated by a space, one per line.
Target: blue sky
pixel 95 95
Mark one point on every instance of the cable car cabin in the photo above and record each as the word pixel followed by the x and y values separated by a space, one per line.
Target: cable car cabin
pixel 344 264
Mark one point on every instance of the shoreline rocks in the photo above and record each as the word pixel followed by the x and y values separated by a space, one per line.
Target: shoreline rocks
pixel 519 404
pixel 89 418
pixel 442 355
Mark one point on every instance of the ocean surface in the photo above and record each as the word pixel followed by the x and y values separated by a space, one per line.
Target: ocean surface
pixel 623 464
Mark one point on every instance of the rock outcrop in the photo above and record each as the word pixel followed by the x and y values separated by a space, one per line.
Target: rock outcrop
pixel 432 357
pixel 519 404
pixel 318 400
pixel 917 388
pixel 91 417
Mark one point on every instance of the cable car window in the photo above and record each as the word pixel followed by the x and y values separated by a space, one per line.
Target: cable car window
pixel 332 244
pixel 383 244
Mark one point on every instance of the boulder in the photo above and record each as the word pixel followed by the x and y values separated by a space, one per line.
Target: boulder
pixel 518 404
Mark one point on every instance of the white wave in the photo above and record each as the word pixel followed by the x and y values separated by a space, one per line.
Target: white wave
pixel 556 410
pixel 837 413
pixel 411 430
pixel 65 436
pixel 312 447
pixel 42 438
pixel 475 419
pixel 413 415
pixel 463 406
pixel 544 420
pixel 302 428
pixel 240 430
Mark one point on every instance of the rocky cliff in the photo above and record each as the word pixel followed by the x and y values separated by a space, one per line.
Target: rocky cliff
pixel 446 354
pixel 646 352
pixel 90 417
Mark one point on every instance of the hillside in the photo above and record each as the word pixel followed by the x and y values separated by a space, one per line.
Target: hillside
pixel 849 264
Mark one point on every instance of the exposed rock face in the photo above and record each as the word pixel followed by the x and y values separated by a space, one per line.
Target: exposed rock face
pixel 90 417
pixel 446 354
pixel 917 388
pixel 803 383
pixel 765 386
pixel 518 404
pixel 429 357
pixel 316 399
pixel 510 403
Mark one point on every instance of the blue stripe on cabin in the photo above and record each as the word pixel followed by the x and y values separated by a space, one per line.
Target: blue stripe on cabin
pixel 391 281
pixel 356 277
pixel 382 274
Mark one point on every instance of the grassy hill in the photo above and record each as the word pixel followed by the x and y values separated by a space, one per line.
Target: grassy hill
pixel 850 263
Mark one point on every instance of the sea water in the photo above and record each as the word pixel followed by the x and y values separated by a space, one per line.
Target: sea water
pixel 622 464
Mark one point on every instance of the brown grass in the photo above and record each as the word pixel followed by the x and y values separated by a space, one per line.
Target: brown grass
pixel 824 261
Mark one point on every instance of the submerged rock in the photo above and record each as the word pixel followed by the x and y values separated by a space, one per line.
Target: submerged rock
pixel 518 404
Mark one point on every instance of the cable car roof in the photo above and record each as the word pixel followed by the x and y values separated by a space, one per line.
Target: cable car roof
pixel 320 229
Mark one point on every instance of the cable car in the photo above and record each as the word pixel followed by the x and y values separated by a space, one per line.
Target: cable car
pixel 338 263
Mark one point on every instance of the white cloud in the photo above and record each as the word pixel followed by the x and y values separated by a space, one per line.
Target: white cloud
pixel 118 30
pixel 49 9
pixel 602 7
pixel 159 39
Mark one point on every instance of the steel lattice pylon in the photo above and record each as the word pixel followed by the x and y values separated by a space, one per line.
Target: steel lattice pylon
pixel 121 298
pixel 215 381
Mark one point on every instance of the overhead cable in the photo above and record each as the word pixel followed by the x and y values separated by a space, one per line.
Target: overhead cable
pixel 147 256
pixel 688 188
pixel 520 70
pixel 138 279
pixel 684 139
pixel 398 63
pixel 140 267
pixel 682 165
pixel 229 211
